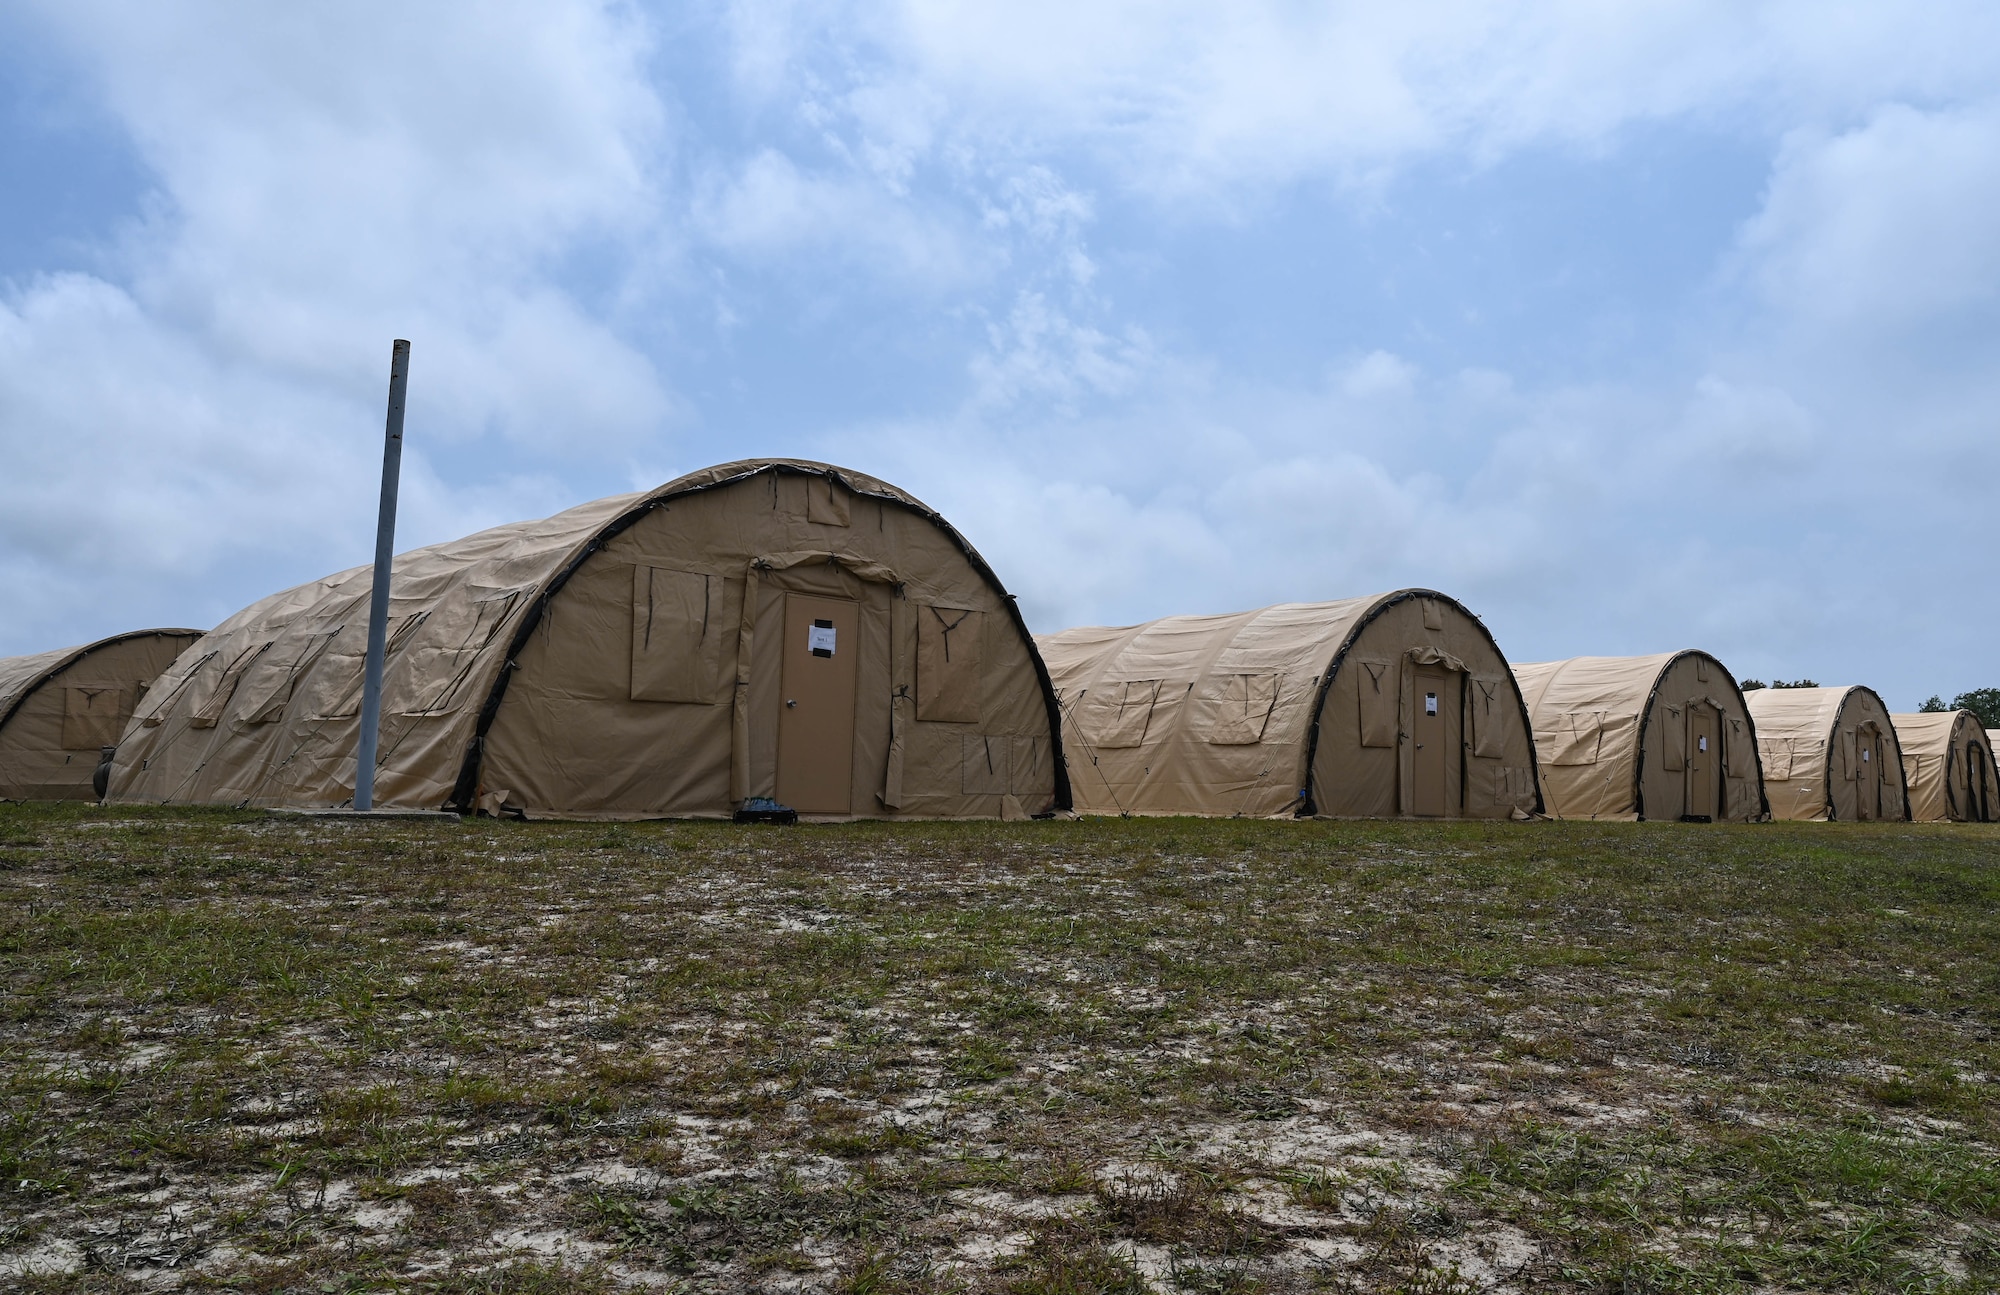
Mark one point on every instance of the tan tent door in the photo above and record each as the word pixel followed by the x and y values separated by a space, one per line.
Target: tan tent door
pixel 816 722
pixel 1702 761
pixel 1427 798
pixel 1868 785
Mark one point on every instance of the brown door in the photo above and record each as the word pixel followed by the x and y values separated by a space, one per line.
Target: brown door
pixel 816 720
pixel 1868 785
pixel 1427 796
pixel 1702 761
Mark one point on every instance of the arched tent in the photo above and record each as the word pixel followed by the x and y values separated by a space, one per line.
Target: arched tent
pixel 771 629
pixel 1948 766
pixel 1828 753
pixel 1395 704
pixel 59 709
pixel 1643 737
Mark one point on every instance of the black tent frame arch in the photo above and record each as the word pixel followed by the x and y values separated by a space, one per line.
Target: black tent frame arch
pixel 465 791
pixel 1309 798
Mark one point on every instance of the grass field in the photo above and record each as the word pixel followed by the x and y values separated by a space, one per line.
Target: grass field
pixel 257 1052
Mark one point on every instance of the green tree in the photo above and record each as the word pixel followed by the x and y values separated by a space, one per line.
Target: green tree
pixel 1933 706
pixel 1983 702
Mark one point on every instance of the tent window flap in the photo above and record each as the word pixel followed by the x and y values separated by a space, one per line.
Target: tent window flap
pixel 949 641
pixel 94 717
pixel 1237 707
pixel 1674 736
pixel 827 502
pixel 678 632
pixel 1738 758
pixel 1576 739
pixel 1486 701
pixel 267 686
pixel 225 688
pixel 1115 715
pixel 1380 688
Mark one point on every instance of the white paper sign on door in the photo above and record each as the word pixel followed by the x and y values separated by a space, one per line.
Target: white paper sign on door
pixel 819 640
pixel 1430 703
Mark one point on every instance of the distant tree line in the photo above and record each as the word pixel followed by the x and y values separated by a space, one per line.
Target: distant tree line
pixel 1752 685
pixel 1983 702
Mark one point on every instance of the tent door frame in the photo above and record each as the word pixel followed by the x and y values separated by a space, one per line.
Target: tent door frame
pixel 1867 773
pixel 818 684
pixel 1701 790
pixel 902 704
pixel 1435 725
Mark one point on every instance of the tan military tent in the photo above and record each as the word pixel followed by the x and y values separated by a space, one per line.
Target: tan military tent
pixel 767 629
pixel 1948 765
pixel 1828 753
pixel 59 709
pixel 1399 703
pixel 1643 737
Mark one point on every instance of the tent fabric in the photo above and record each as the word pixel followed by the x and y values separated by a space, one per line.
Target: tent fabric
pixel 1948 763
pixel 1817 746
pixel 622 660
pixel 1296 709
pixel 1611 736
pixel 59 709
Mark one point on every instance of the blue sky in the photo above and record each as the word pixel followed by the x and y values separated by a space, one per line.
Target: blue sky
pixel 1636 327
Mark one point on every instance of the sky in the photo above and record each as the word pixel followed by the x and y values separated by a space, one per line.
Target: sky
pixel 1634 327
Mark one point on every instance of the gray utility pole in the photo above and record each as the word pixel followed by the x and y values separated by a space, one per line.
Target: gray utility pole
pixel 378 598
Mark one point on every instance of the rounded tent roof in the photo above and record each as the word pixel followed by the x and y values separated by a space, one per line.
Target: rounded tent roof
pixel 1293 641
pixel 1924 731
pixel 532 554
pixel 1622 683
pixel 1605 704
pixel 1803 712
pixel 520 567
pixel 1928 737
pixel 21 675
pixel 1287 637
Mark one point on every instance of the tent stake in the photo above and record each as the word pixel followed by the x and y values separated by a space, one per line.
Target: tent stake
pixel 378 597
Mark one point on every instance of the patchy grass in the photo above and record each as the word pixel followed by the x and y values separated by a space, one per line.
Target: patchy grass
pixel 265 1053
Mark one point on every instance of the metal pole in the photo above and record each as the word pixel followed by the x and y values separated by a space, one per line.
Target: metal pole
pixel 378 598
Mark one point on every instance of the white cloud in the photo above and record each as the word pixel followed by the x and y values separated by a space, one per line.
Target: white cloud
pixel 327 179
pixel 1378 373
pixel 1886 225
pixel 1745 517
pixel 769 209
pixel 1040 354
pixel 1186 97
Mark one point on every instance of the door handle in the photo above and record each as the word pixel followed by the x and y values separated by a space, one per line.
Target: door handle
pixel 790 703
